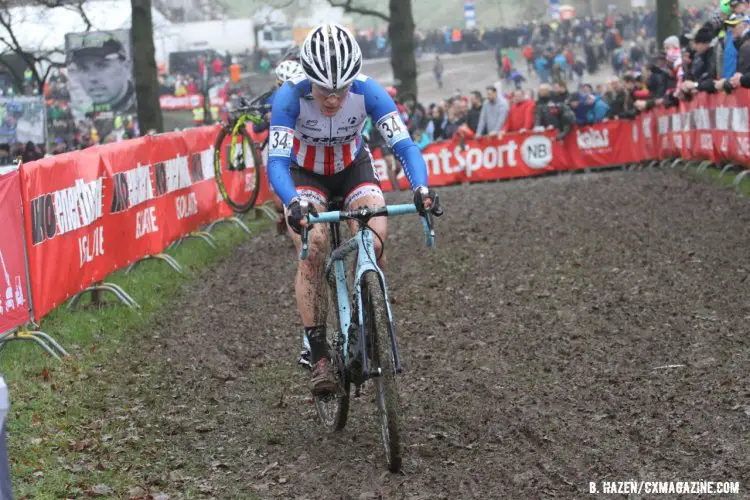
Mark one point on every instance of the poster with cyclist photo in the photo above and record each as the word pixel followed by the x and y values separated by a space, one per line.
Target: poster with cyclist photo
pixel 100 78
pixel 22 119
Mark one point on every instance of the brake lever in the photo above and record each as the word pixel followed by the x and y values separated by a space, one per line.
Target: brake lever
pixel 429 230
pixel 305 250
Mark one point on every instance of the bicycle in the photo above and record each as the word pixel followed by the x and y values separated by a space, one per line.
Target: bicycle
pixel 239 182
pixel 359 348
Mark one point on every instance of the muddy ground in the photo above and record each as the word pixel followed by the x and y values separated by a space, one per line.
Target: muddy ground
pixel 538 338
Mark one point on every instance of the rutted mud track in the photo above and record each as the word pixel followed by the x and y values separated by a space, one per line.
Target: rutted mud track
pixel 536 337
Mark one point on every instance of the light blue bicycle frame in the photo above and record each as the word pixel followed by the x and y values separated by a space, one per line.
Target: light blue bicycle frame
pixel 362 243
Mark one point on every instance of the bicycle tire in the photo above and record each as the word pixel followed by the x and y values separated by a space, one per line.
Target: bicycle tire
pixel 239 206
pixel 333 411
pixel 381 356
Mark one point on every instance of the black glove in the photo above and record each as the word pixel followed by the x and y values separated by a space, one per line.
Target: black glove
pixel 297 212
pixel 421 195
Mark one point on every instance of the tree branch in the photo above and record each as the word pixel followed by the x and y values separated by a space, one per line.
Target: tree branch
pixel 347 6
pixel 82 13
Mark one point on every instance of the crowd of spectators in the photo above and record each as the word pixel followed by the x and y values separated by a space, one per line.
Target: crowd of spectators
pixel 713 55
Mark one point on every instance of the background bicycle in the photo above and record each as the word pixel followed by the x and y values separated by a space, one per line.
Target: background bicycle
pixel 237 157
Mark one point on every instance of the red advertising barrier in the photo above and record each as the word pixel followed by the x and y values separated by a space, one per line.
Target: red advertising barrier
pixel 95 211
pixel 14 299
pixel 92 212
pixel 521 155
pixel 187 102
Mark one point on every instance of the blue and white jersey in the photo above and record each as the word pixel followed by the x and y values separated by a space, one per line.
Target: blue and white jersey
pixel 327 145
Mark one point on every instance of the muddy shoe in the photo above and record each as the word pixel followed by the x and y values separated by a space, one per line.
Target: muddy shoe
pixel 322 382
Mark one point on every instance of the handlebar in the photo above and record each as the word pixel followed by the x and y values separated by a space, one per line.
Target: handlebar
pixel 363 214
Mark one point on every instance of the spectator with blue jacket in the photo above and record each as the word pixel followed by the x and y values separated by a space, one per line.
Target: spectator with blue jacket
pixel 542 68
pixel 598 111
pixel 730 50
pixel 581 107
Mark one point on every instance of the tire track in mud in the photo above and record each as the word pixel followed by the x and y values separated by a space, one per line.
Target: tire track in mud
pixel 535 337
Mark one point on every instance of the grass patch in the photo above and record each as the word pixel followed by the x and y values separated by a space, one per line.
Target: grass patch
pixel 71 429
pixel 728 179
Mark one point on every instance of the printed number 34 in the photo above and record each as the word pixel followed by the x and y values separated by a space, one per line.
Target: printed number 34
pixel 280 140
pixel 393 129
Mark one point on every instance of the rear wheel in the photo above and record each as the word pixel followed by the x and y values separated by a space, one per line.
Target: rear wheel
pixel 237 172
pixel 381 354
pixel 333 409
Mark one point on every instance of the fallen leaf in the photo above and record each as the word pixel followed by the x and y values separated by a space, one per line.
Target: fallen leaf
pixel 100 490
pixel 136 491
pixel 269 468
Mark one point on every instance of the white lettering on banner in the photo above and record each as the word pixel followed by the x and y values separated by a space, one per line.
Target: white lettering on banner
pixel 743 146
pixel 677 139
pixel 676 122
pixel 706 142
pixel 78 206
pixel 739 120
pixel 187 205
pixel 91 245
pixel 178 174
pixel 207 163
pixel 722 118
pixel 724 146
pixel 140 188
pixel 471 160
pixel 663 124
pixel 180 102
pixel 249 181
pixel 647 128
pixel 9 303
pixel 536 151
pixel 593 139
pixel 635 132
pixel 145 222
pixel 686 121
pixel 380 168
pixel 702 119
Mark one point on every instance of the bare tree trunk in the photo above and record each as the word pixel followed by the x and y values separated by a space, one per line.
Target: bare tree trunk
pixel 144 67
pixel 403 59
pixel 668 21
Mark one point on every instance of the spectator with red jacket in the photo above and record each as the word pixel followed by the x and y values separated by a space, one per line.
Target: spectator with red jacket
pixel 217 65
pixel 521 115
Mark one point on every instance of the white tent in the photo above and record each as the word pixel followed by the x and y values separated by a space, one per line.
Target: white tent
pixel 42 29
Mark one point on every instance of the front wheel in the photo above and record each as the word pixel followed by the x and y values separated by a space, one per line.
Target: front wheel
pixel 381 353
pixel 333 409
pixel 237 169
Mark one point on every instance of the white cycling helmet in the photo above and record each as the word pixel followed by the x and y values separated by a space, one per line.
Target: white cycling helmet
pixel 288 70
pixel 331 56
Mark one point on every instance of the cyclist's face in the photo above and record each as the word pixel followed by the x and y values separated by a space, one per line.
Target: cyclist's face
pixel 103 80
pixel 330 102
